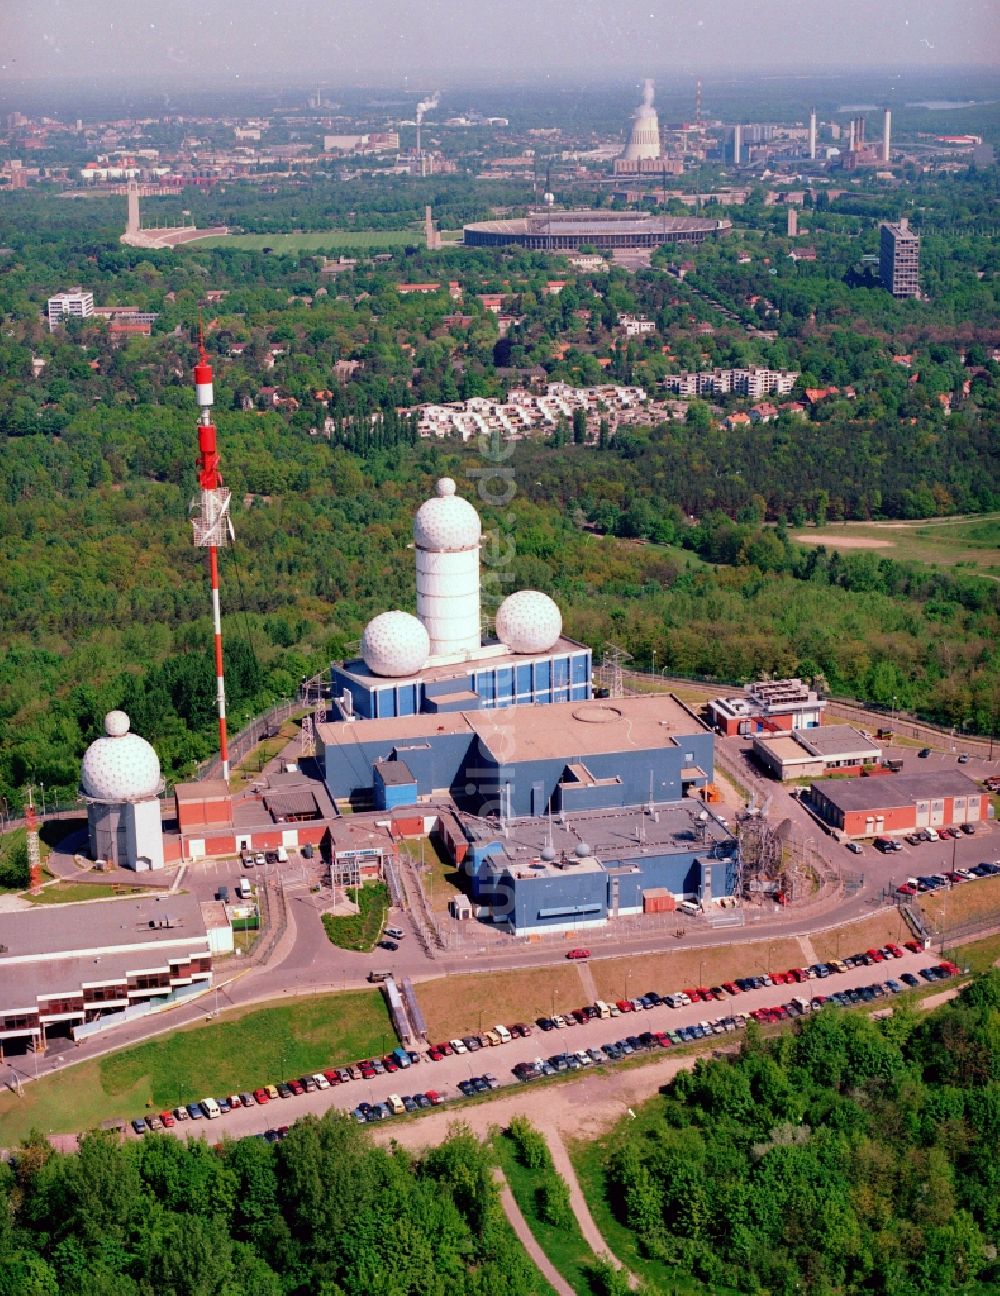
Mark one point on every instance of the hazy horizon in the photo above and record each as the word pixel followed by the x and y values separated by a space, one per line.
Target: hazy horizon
pixel 196 44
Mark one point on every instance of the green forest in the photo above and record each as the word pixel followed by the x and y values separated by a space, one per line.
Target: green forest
pixel 673 539
pixel 848 1156
pixel 321 1213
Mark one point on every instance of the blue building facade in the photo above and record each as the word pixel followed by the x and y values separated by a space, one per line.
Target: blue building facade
pixel 577 894
pixel 561 675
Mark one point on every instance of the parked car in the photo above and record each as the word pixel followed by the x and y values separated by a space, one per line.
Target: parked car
pixel 139 1125
pixel 855 848
pixel 578 953
pixel 923 753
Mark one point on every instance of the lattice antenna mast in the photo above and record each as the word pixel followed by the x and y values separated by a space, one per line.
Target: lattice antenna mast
pixel 213 527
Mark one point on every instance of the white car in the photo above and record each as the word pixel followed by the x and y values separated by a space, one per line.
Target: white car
pixel 458 1046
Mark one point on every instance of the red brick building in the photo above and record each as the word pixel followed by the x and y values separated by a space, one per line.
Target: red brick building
pixel 900 803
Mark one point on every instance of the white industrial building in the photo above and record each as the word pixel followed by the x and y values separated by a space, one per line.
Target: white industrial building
pixel 120 781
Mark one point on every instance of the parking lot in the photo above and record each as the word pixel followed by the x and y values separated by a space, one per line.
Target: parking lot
pixel 689 1022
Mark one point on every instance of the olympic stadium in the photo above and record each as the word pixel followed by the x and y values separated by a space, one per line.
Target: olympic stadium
pixel 552 231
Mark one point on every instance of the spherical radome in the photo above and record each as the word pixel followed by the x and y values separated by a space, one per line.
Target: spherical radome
pixel 447 523
pixel 121 766
pixel 395 644
pixel 528 622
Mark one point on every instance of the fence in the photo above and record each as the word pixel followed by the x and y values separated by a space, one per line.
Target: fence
pixel 247 739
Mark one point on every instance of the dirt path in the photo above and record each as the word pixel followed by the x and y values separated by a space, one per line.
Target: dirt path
pixel 590 994
pixel 808 950
pixel 527 1239
pixel 564 1166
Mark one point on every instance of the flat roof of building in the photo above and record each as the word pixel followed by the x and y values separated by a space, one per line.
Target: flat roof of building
pixel 563 730
pixel 629 834
pixel 206 790
pixel 98 926
pixel 895 789
pixel 537 731
pixel 491 655
pixel 831 741
pixel 783 747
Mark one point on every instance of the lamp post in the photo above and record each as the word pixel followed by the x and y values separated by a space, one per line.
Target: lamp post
pixel 42 787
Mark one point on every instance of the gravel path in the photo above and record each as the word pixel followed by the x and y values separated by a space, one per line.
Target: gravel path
pixel 527 1239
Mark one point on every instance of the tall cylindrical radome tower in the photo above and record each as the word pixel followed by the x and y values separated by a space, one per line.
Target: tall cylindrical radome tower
pixel 447 532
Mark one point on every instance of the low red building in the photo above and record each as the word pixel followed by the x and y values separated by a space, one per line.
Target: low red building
pixel 899 804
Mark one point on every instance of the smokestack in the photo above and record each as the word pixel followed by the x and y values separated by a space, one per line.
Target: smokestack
pixel 850 138
pixel 886 133
pixel 737 145
pixel 793 222
pixel 812 134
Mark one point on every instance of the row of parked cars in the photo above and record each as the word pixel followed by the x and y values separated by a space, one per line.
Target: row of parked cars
pixel 212 1108
pixel 797 1006
pixel 473 1043
pixel 398 1105
pixel 889 844
pixel 953 877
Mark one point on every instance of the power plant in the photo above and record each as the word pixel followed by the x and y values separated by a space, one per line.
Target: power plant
pixel 644 137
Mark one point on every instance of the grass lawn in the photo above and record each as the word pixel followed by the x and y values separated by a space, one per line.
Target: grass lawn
pixel 322 240
pixel 70 892
pixel 852 938
pixel 618 978
pixel 360 931
pixel 257 1046
pixel 969 543
pixel 565 1246
pixel 969 902
pixel 978 956
pixel 456 1005
pixel 440 877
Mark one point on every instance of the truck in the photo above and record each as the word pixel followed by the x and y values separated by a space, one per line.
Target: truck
pixel 244 890
pixel 395 1105
pixel 504 1033
pixel 377 976
pixel 282 855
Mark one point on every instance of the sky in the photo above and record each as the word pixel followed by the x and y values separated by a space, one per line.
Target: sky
pixel 350 42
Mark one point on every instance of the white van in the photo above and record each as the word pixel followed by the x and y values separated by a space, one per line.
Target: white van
pixel 394 933
pixel 396 1105
pixel 504 1033
pixel 282 855
pixel 602 1009
pixel 244 889
pixel 210 1107
pixel 688 907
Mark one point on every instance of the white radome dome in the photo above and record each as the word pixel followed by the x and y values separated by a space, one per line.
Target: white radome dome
pixel 528 622
pixel 395 644
pixel 447 523
pixel 121 766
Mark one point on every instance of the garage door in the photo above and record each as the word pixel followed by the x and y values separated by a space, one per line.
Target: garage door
pixel 937 811
pixel 958 810
pixel 923 813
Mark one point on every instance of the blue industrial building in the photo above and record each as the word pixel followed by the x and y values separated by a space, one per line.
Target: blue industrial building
pixel 561 873
pixel 495 677
pixel 525 760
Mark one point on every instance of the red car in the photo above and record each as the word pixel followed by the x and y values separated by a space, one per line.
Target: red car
pixel 694 995
pixel 731 987
pixel 876 955
pixel 261 1096
pixel 168 1119
pixel 435 1054
pixel 907 888
pixel 297 1087
pixel 332 1077
pixel 914 947
pixel 625 1005
pixel 578 954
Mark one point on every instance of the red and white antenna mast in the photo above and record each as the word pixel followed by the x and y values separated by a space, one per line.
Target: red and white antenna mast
pixel 213 528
